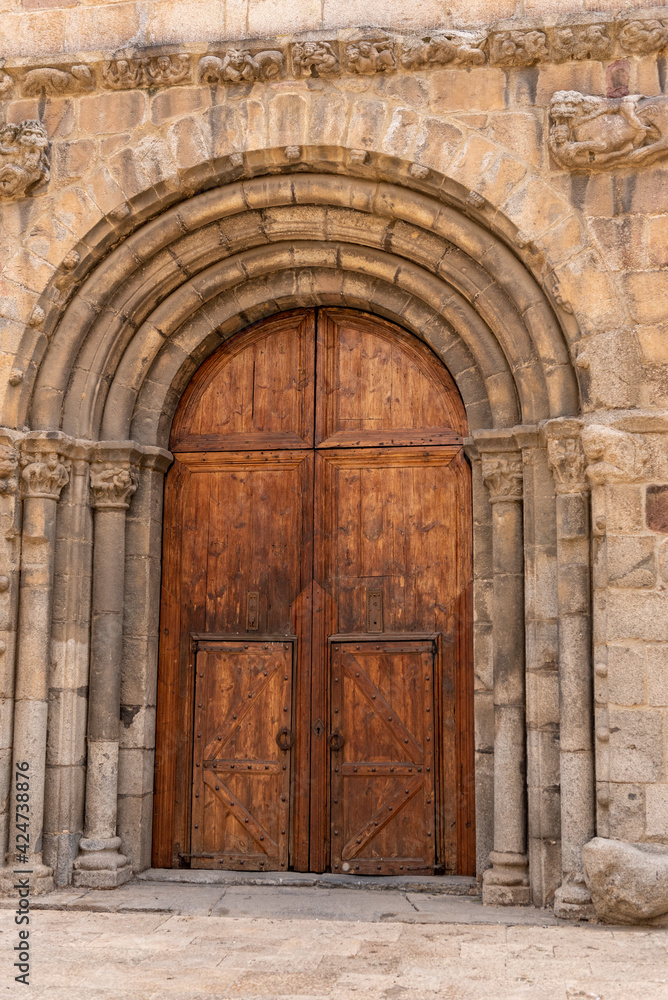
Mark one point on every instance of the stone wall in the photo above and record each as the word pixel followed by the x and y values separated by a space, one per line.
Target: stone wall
pixel 34 27
pixel 438 180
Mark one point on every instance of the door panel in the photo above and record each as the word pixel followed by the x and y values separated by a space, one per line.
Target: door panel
pixel 383 757
pixel 380 386
pixel 255 392
pixel 387 529
pixel 255 506
pixel 241 760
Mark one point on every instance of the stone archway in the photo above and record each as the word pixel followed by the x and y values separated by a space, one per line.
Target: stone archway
pixel 103 390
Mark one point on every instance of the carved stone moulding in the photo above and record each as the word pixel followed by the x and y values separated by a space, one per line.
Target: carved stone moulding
pixel 254 61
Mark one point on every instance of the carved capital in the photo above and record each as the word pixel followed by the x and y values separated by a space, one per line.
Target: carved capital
pixel 502 475
pixel 43 475
pixel 9 461
pixel 24 162
pixel 613 456
pixel 567 462
pixel 112 485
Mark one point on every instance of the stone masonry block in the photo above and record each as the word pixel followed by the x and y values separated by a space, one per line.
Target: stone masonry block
pixel 636 745
pixel 481 89
pixel 177 101
pixel 626 675
pixel 401 132
pixel 631 561
pixel 657 674
pixel 108 113
pixel 637 614
pixel 366 124
pixel 656 805
pixel 627 811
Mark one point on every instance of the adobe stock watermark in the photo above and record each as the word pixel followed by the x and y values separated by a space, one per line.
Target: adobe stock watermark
pixel 22 872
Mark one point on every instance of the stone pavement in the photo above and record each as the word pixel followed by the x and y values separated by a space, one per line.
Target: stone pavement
pixel 240 942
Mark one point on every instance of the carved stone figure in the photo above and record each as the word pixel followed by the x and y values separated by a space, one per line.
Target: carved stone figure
pixel 123 74
pixel 644 36
pixel 6 82
pixel 518 48
pixel 112 486
pixel 567 461
pixel 241 66
pixel 48 80
pixel 586 42
pixel 597 131
pixel 8 467
pixel 44 475
pixel 371 57
pixel 23 158
pixel 314 58
pixel 166 70
pixel 502 475
pixel 462 48
pixel 613 456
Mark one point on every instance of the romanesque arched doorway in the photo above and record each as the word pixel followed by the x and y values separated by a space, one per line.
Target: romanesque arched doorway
pixel 315 700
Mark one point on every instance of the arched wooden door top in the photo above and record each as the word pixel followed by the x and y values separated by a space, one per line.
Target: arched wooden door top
pixel 346 380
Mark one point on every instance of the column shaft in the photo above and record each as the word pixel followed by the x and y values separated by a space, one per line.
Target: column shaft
pixel 506 882
pixel 43 477
pixel 100 863
pixel 572 899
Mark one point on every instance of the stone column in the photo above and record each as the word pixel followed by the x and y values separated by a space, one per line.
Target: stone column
pixel 506 882
pixel 44 473
pixel 567 461
pixel 10 556
pixel 114 479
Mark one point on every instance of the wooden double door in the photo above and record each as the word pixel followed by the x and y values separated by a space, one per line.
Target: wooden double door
pixel 315 678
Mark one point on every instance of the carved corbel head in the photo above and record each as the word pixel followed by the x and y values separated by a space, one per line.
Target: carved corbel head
pixel 613 456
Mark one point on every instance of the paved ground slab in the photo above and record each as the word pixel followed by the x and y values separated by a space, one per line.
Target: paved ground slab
pixel 84 955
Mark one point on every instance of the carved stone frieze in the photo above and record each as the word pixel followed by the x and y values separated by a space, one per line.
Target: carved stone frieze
pixel 567 461
pixel 518 48
pixel 502 475
pixel 459 48
pixel 582 42
pixel 613 456
pixel 158 71
pixel 6 82
pixel 9 461
pixel 44 475
pixel 315 58
pixel 112 485
pixel 244 62
pixel 242 66
pixel 51 81
pixel 368 57
pixel 24 160
pixel 643 37
pixel 588 132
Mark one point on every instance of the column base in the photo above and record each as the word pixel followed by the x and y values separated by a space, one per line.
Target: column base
pixel 40 880
pixel 100 865
pixel 572 901
pixel 506 882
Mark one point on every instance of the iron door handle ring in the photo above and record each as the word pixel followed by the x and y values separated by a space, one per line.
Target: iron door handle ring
pixel 284 738
pixel 336 740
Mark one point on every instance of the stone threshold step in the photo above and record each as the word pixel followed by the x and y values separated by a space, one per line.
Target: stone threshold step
pixel 447 885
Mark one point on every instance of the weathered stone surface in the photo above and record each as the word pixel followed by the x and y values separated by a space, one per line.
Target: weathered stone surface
pixel 628 882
